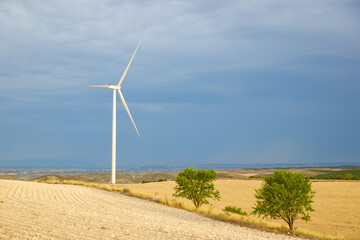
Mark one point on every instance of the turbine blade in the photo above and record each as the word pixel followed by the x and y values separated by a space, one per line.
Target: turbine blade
pixel 127 109
pixel 127 68
pixel 100 86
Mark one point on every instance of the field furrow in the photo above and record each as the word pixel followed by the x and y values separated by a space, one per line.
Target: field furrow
pixel 43 211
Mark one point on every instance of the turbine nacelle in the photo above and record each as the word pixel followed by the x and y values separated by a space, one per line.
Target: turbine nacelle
pixel 109 86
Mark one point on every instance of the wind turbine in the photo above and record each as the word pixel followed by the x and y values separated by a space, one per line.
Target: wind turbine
pixel 117 88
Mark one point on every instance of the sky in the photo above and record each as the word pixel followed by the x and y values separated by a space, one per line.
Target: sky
pixel 240 82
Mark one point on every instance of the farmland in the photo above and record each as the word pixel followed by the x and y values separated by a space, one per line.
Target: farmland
pixel 336 203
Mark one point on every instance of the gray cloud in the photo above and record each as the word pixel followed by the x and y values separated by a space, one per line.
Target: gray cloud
pixel 203 65
pixel 111 28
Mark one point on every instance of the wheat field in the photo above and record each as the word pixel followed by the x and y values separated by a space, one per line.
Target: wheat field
pixel 336 203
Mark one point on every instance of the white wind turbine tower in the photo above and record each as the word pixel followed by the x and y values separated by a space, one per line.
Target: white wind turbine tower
pixel 114 88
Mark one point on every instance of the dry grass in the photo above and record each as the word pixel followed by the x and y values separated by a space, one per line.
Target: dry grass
pixel 336 205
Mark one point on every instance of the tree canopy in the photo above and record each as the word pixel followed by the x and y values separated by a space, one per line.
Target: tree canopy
pixel 196 185
pixel 285 195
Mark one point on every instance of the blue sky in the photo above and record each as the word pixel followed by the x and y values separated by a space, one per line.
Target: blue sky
pixel 242 82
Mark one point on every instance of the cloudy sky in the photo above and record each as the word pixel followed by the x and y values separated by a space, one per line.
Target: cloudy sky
pixel 240 82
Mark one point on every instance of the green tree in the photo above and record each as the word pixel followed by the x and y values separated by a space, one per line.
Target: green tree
pixel 196 185
pixel 349 176
pixel 285 195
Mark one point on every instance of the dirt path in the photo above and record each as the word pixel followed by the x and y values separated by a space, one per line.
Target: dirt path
pixel 42 211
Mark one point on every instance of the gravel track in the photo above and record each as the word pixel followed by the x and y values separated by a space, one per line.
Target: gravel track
pixel 43 211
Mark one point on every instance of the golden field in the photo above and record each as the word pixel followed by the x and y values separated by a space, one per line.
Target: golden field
pixel 336 203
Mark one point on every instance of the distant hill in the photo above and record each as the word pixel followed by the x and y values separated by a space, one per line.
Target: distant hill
pixel 8 177
pixel 153 176
pixel 98 177
pixel 344 174
pixel 49 177
pixel 121 178
pixel 246 173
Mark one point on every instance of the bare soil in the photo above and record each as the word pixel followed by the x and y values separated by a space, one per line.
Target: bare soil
pixel 31 210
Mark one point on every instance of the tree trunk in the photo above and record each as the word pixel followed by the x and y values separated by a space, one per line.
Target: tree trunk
pixel 291 225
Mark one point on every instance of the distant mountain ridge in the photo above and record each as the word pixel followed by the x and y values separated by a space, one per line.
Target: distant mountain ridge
pixel 164 168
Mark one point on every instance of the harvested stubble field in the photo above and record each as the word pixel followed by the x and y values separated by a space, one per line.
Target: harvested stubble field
pixel 30 210
pixel 336 203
